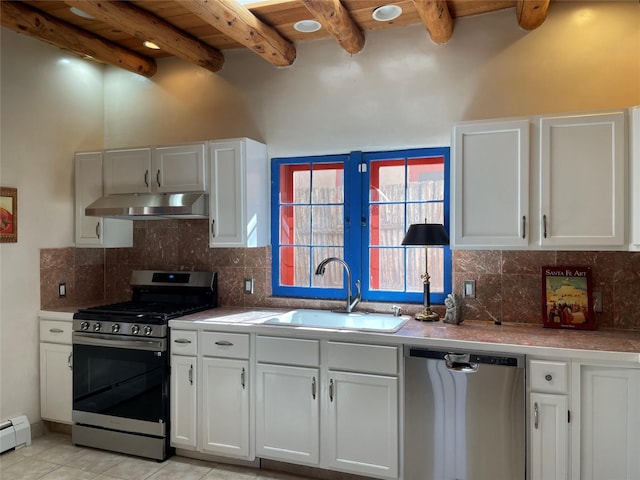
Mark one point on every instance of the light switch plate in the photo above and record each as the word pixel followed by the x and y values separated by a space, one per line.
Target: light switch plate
pixel 62 290
pixel 248 286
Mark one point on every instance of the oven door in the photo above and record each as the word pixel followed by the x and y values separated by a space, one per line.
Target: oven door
pixel 120 383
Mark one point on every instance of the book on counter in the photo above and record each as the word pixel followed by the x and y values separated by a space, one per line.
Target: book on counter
pixel 567 297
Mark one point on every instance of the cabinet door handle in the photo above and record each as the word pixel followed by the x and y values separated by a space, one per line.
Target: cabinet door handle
pixel 56 330
pixel 224 343
pixel 313 388
pixel 524 226
pixel 331 387
pixel 158 178
pixel 213 230
pixel 98 230
pixel 242 375
pixel 544 225
pixel 70 361
pixel 146 178
pixel 182 340
pixel 535 415
pixel 191 374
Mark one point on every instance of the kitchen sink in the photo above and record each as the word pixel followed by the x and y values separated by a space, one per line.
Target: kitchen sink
pixel 360 321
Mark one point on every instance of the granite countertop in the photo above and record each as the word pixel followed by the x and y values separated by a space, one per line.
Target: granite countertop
pixel 616 345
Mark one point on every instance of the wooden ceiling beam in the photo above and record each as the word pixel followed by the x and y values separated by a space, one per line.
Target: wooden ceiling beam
pixel 237 22
pixel 338 22
pixel 29 21
pixel 436 17
pixel 148 27
pixel 531 13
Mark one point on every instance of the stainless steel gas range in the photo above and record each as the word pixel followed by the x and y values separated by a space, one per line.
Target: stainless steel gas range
pixel 121 362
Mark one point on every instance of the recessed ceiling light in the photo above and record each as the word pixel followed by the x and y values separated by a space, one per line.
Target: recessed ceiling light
pixel 80 13
pixel 386 13
pixel 151 45
pixel 307 26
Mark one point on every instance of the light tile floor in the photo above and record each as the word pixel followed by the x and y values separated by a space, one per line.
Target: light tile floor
pixel 54 457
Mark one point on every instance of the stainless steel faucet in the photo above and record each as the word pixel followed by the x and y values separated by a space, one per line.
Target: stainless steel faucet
pixel 351 302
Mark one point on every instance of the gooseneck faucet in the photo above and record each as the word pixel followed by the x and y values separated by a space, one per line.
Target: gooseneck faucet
pixel 351 302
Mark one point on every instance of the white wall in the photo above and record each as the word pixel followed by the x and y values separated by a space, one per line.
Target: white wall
pixel 401 90
pixel 51 106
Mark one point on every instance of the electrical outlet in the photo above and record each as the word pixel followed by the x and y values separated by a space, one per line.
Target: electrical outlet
pixel 248 286
pixel 62 290
pixel 469 289
pixel 597 302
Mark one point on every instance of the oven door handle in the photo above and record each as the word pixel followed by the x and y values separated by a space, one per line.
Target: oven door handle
pixel 109 341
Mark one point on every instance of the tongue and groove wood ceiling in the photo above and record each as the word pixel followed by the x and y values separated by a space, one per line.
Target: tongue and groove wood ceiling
pixel 199 31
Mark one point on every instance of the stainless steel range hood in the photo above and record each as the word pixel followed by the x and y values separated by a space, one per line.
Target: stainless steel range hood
pixel 150 206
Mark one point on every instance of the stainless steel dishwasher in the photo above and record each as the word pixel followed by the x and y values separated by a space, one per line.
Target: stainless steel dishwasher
pixel 464 415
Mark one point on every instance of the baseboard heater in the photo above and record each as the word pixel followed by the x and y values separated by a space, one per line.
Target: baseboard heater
pixel 15 433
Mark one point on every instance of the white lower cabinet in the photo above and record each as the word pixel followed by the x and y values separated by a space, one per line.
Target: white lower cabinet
pixel 225 407
pixel 340 413
pixel 184 389
pixel 56 370
pixel 609 433
pixel 362 424
pixel 584 421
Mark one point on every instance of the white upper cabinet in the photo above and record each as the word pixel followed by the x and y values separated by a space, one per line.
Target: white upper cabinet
pixel 490 172
pixel 582 180
pixel 239 194
pixel 562 188
pixel 179 168
pixel 95 231
pixel 634 177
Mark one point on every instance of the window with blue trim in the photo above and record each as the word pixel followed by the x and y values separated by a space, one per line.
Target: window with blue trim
pixel 358 207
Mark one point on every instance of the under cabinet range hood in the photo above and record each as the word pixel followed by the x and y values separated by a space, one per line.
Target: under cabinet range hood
pixel 150 206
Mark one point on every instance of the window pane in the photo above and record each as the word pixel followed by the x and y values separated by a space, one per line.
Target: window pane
pixel 294 266
pixel 295 183
pixel 416 266
pixel 328 183
pixel 387 181
pixel 328 225
pixel 295 225
pixel 334 272
pixel 386 270
pixel 426 179
pixel 418 212
pixel 386 224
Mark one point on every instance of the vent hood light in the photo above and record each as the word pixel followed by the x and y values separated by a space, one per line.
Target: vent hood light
pixel 81 13
pixel 307 26
pixel 386 13
pixel 151 45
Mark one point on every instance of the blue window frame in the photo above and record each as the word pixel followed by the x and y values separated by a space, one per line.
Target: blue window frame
pixel 357 207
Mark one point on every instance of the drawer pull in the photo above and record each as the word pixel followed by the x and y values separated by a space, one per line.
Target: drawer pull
pixel 313 388
pixel 524 226
pixel 70 361
pixel 548 377
pixel 56 330
pixel 535 415
pixel 331 387
pixel 224 343
pixel 191 374
pixel 182 340
pixel 146 178
pixel 242 375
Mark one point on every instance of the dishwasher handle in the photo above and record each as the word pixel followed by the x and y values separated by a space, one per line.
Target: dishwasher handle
pixel 459 362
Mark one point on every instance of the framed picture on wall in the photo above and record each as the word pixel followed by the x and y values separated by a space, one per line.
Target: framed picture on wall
pixel 8 215
pixel 567 298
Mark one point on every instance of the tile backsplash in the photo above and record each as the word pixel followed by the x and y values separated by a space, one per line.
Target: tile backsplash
pixel 508 283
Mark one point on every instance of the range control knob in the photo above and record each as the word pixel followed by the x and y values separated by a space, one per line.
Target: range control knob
pixel 97 327
pixel 135 329
pixel 84 326
pixel 147 330
pixel 115 328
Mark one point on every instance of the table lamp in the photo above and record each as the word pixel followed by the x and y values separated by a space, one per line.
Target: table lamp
pixel 426 234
